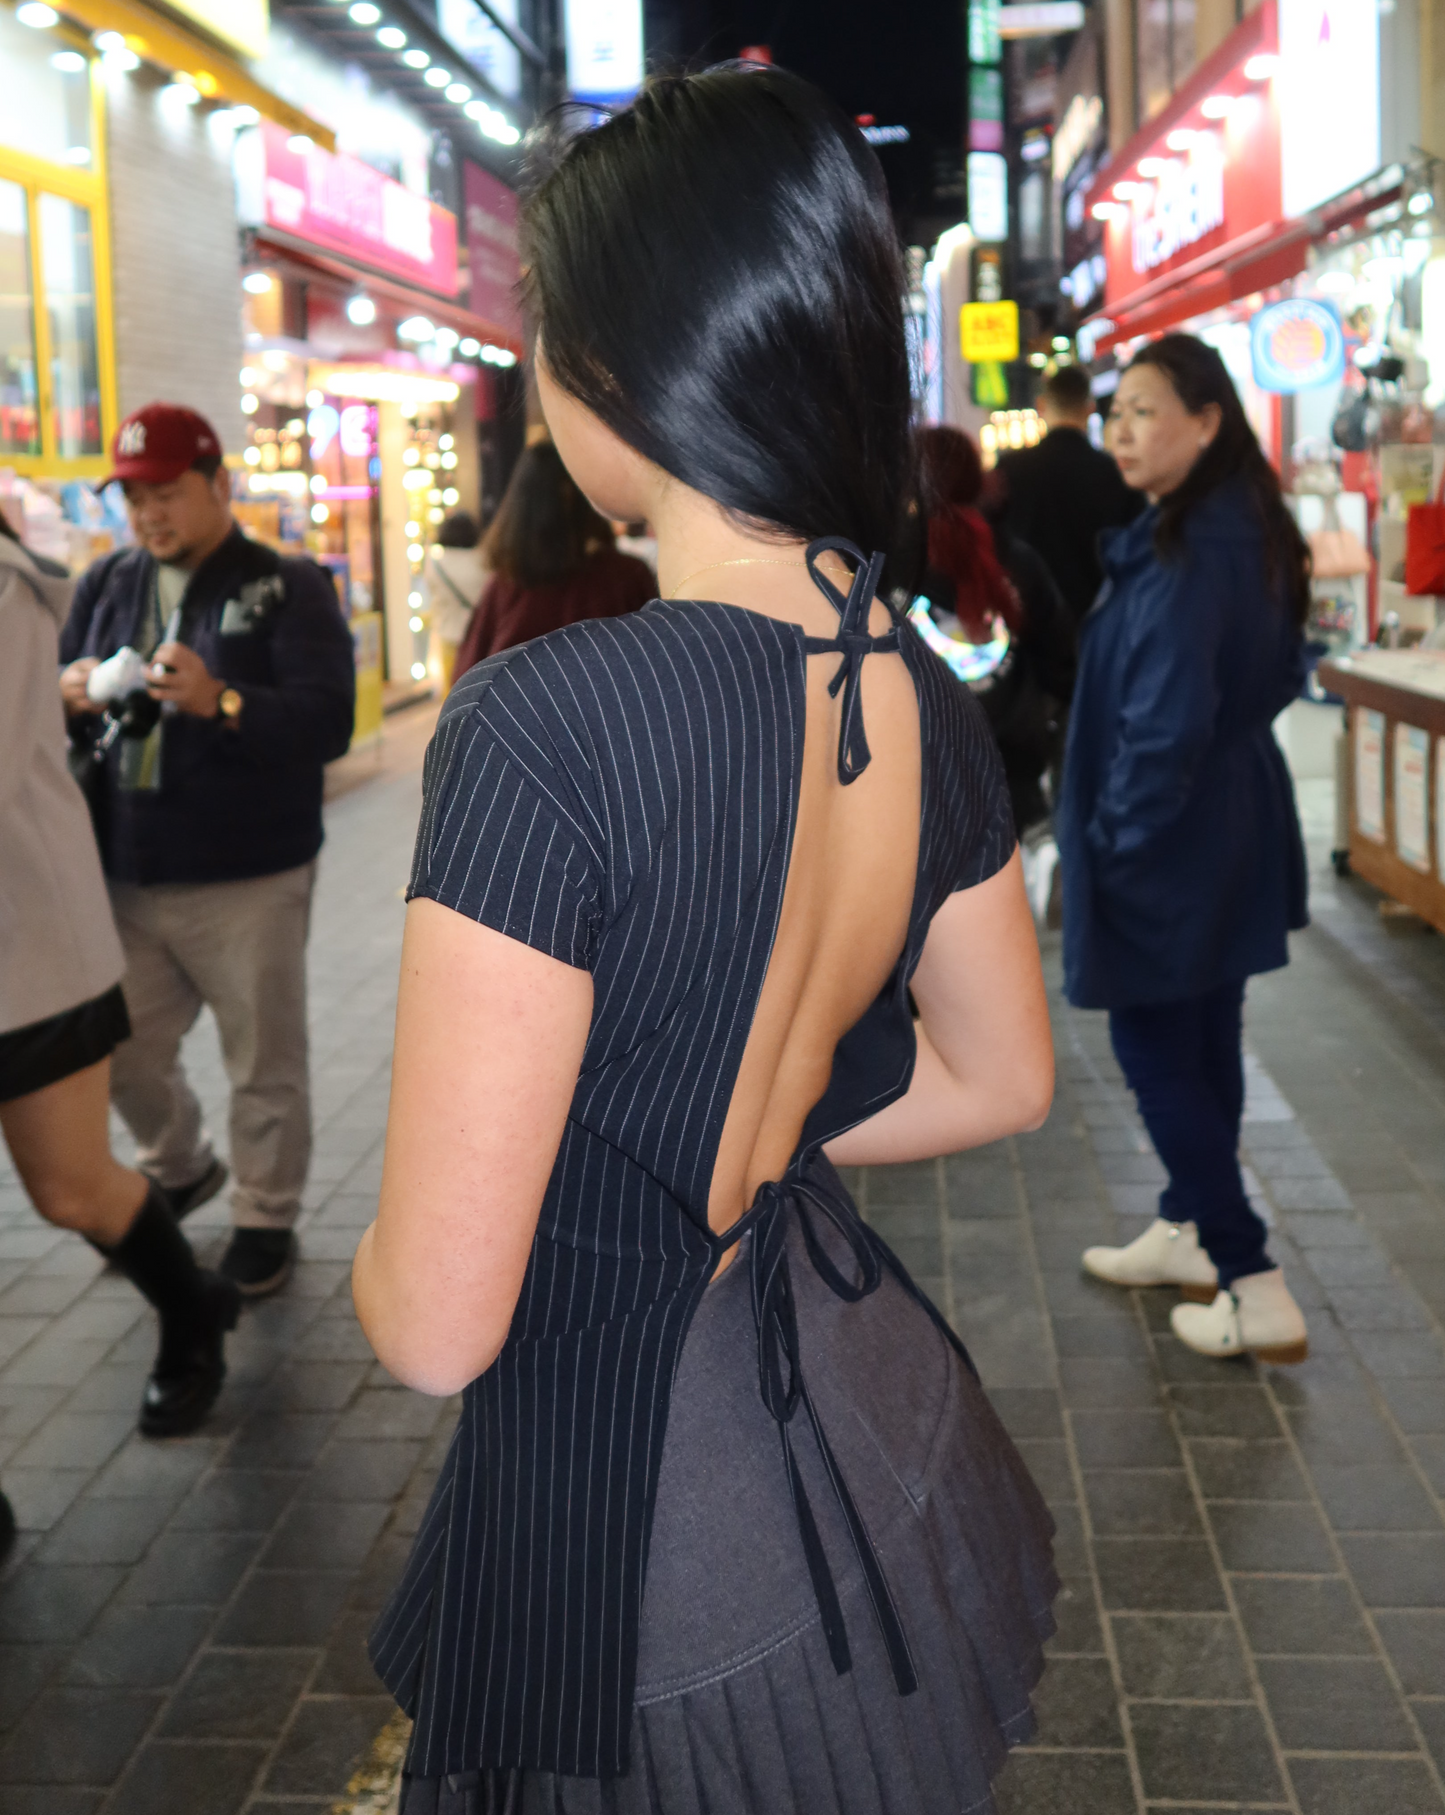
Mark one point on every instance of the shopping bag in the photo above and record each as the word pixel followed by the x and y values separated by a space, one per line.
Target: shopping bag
pixel 1425 545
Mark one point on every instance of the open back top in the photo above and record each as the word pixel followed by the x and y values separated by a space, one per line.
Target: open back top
pixel 623 795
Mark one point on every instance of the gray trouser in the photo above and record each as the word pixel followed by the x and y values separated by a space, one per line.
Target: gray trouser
pixel 238 948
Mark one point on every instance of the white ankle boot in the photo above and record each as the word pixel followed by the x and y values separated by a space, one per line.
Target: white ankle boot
pixel 1166 1254
pixel 1259 1317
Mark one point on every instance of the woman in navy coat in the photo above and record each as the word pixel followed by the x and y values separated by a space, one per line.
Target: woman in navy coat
pixel 1183 867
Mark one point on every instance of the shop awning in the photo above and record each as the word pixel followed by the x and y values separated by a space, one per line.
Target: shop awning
pixel 218 75
pixel 267 244
pixel 1255 261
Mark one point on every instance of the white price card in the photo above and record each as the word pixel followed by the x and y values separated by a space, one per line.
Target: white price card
pixel 1412 797
pixel 1370 774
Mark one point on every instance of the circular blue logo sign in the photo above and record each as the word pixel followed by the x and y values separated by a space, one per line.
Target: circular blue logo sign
pixel 1296 345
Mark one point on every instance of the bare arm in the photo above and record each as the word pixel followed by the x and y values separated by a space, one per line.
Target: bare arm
pixel 985 1053
pixel 489 1042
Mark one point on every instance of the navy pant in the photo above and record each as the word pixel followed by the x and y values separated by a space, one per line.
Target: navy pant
pixel 1183 1062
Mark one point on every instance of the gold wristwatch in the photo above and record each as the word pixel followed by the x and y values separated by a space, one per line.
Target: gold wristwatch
pixel 229 704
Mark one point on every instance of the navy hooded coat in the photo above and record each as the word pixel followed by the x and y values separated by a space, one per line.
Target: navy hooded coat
pixel 1183 866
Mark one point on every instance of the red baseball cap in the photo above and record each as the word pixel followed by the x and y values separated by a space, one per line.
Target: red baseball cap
pixel 159 443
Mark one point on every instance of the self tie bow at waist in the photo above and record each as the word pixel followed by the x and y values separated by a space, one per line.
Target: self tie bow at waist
pixel 780 1375
pixel 852 642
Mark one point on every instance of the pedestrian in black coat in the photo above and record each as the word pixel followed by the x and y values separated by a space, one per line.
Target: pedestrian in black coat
pixel 1058 496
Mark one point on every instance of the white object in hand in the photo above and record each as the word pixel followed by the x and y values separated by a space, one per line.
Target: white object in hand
pixel 116 677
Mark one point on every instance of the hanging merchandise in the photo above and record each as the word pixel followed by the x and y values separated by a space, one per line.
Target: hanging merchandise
pixel 1336 553
pixel 1425 545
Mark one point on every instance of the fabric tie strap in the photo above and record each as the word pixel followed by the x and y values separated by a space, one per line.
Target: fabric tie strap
pixel 852 642
pixel 780 1376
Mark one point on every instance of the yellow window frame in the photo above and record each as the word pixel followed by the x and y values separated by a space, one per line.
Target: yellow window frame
pixel 86 186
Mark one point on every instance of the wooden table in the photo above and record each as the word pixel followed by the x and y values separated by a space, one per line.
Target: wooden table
pixel 1395 707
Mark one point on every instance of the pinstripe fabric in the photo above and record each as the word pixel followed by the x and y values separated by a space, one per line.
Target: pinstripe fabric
pixel 622 795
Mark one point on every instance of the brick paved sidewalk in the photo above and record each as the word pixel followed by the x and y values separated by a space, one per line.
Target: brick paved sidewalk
pixel 1255 1614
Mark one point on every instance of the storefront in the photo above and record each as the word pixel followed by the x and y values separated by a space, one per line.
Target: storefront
pixel 1226 218
pixel 367 372
pixel 117 241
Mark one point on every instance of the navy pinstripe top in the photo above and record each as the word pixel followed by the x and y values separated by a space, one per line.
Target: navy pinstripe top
pixel 621 794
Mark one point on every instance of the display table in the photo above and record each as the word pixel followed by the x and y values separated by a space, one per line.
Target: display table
pixel 1395 707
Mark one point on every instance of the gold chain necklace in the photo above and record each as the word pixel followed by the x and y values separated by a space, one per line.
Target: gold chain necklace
pixel 745 561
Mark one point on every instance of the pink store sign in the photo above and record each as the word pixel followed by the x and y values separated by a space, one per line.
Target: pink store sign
pixel 338 202
pixel 492 249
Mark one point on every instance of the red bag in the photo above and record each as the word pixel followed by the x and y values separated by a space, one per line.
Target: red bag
pixel 1425 545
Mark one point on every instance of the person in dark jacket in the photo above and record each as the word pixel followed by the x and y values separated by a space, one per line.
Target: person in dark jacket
pixel 1059 495
pixel 1183 867
pixel 983 574
pixel 553 563
pixel 208 811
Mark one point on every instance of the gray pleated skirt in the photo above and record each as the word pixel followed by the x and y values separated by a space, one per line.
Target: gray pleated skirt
pixel 738 1708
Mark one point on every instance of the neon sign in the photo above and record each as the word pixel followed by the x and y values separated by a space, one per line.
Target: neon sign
pixel 1184 202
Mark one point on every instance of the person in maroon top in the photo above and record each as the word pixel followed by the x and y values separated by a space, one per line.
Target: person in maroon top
pixel 553 563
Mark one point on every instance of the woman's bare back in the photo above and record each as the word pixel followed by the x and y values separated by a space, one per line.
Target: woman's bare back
pixel 845 912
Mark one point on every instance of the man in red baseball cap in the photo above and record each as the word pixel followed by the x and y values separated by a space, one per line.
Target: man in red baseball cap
pixel 210 819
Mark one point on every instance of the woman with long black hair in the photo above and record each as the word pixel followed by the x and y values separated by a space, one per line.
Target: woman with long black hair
pixel 1182 860
pixel 742 1537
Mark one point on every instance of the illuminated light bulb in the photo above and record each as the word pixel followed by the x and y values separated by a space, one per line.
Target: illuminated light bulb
pixel 1217 107
pixel 437 77
pixel 69 62
pixel 249 376
pixel 185 94
pixel 319 513
pixel 415 327
pixel 252 456
pixel 1421 203
pixel 1261 67
pixel 244 116
pixel 364 13
pixel 414 624
pixel 414 600
pixel 413 530
pixel 1108 211
pixel 1181 138
pixel 415 59
pixel 38 18
pixel 418 671
pixel 446 441
pixel 391 37
pixel 458 92
pixel 318 483
pixel 1125 192
pixel 300 143
pixel 416 551
pixel 361 311
pixel 469 348
pixel 450 496
pixel 410 456
pixel 1152 166
pixel 449 458
pixel 256 283
pixel 315 399
pixel 250 403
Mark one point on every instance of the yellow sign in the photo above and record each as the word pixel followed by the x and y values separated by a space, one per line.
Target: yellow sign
pixel 989 331
pixel 245 25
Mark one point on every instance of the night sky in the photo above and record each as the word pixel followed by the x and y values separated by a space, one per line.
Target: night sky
pixel 902 62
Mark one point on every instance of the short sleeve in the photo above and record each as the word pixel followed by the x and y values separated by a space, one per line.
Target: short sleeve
pixel 493 846
pixel 969 827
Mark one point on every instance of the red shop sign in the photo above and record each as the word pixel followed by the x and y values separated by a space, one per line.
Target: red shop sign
pixel 338 202
pixel 1204 177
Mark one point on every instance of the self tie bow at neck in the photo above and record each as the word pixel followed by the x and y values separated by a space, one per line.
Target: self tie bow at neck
pixel 852 642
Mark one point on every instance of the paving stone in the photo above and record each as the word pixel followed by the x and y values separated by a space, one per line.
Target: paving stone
pixel 1348 1786
pixel 1398 1569
pixel 238 1695
pixel 1334 1705
pixel 325 1743
pixel 24 1671
pixel 1158 1574
pixel 172 1779
pixel 1141 1503
pixel 325 1535
pixel 1198 1753
pixel 76 1736
pixel 1291 1614
pixel 105 1531
pixel 1124 1439
pixel 276 1608
pixel 1066 1783
pixel 1233 1469
pixel 50 1604
pixel 234 1499
pixel 138 1647
pixel 1181 1657
pixel 1271 1537
pixel 1415 1641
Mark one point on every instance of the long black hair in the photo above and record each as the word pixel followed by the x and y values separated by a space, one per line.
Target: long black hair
pixel 1199 377
pixel 716 275
pixel 544 528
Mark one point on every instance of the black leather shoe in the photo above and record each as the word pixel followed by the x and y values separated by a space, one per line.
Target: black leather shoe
pixel 258 1261
pixel 186 1381
pixel 182 1199
pixel 7 1526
